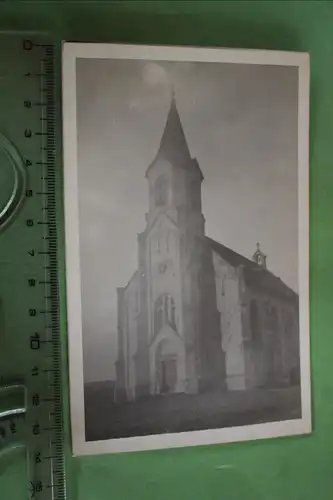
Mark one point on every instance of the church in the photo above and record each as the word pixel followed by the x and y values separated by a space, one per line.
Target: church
pixel 197 316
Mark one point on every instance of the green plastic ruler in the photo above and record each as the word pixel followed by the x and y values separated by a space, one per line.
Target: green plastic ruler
pixel 31 411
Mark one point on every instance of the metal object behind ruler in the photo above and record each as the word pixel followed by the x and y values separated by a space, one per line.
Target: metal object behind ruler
pixel 30 344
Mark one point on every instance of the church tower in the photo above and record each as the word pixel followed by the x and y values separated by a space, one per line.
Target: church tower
pixel 183 323
pixel 174 177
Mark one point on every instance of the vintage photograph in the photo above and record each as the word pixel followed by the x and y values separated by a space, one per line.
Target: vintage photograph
pixel 186 205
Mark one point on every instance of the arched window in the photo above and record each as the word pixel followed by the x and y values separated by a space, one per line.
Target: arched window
pixel 160 191
pixel 255 322
pixel 169 309
pixel 164 312
pixel 158 314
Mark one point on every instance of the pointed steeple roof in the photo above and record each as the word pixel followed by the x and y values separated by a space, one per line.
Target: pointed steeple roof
pixel 173 145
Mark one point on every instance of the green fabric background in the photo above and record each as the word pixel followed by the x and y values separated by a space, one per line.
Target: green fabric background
pixel 288 468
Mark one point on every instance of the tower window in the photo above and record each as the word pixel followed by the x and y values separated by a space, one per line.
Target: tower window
pixel 164 312
pixel 171 312
pixel 160 191
pixel 222 287
pixel 158 315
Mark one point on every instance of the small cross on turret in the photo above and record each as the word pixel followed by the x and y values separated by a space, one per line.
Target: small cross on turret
pixel 259 258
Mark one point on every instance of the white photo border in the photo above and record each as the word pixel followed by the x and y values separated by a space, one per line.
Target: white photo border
pixel 70 52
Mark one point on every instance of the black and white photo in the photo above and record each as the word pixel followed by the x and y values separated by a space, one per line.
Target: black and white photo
pixel 186 207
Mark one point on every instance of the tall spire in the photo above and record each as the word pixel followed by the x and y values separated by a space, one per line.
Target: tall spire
pixel 173 145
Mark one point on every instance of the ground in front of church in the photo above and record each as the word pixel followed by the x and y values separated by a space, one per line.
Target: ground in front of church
pixel 182 413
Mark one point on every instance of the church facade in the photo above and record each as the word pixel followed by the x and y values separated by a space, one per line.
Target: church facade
pixel 197 316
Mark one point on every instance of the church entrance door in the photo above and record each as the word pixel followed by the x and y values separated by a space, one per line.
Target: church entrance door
pixel 168 371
